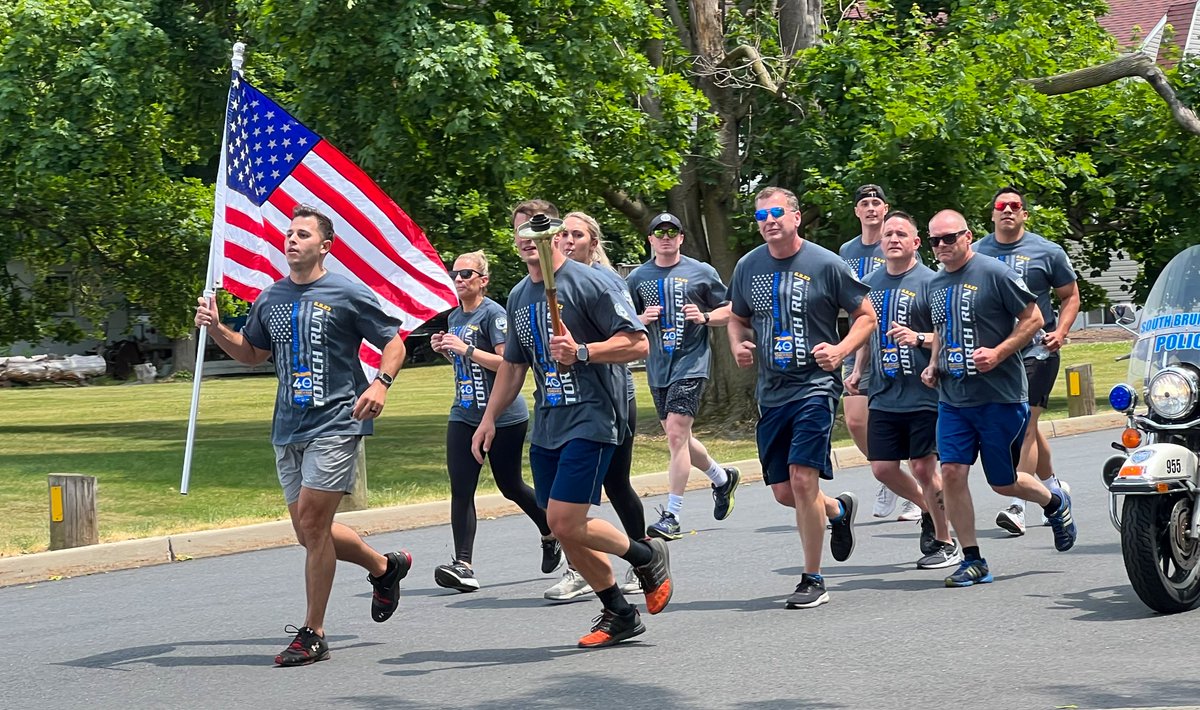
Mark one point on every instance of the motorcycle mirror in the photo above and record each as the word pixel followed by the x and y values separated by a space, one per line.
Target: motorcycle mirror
pixel 1127 316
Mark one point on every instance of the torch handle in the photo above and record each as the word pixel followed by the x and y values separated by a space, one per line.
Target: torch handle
pixel 552 304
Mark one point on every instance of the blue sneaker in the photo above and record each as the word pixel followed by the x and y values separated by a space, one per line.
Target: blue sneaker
pixel 1062 523
pixel 667 527
pixel 970 572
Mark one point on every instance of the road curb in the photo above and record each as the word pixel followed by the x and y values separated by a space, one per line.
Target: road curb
pixel 168 549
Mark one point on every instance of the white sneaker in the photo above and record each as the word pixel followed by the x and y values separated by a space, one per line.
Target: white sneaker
pixel 909 512
pixel 631 585
pixel 570 586
pixel 885 502
pixel 1012 519
pixel 1065 488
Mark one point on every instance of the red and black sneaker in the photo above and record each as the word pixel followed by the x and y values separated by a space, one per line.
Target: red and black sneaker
pixel 308 647
pixel 655 576
pixel 613 628
pixel 386 595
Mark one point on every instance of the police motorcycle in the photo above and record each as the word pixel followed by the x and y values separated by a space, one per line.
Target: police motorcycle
pixel 1154 484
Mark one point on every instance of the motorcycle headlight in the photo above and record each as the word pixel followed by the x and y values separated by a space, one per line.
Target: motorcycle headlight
pixel 1172 392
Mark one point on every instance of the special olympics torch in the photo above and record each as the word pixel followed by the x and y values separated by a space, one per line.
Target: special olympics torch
pixel 541 229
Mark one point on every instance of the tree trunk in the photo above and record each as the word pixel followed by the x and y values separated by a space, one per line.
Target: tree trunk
pixel 183 353
pixel 1131 64
pixel 799 25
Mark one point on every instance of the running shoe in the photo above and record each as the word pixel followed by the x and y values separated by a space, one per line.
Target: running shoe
pixel 655 576
pixel 1067 488
pixel 457 576
pixel 667 527
pixel 552 556
pixel 611 627
pixel 970 572
pixel 631 585
pixel 1062 523
pixel 841 535
pixel 570 586
pixel 909 512
pixel 947 554
pixel 1012 519
pixel 929 543
pixel 809 593
pixel 308 647
pixel 885 502
pixel 385 594
pixel 723 495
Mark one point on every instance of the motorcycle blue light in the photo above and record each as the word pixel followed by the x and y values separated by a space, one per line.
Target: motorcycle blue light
pixel 1121 397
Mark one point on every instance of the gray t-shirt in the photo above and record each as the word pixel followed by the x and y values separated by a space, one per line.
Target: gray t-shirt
pixel 314 332
pixel 586 400
pixel 679 349
pixel 973 307
pixel 1042 263
pixel 615 279
pixel 863 259
pixel 895 384
pixel 485 328
pixel 793 305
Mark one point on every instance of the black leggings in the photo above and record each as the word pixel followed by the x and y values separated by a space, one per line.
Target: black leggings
pixel 624 499
pixel 505 459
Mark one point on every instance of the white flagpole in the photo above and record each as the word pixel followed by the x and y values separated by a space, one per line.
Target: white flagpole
pixel 212 280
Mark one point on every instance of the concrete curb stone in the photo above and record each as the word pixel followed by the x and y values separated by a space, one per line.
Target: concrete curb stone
pixel 129 554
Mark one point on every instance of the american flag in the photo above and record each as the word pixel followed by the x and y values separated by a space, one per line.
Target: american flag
pixel 271 162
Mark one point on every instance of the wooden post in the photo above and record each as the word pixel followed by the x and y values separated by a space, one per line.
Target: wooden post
pixel 1081 392
pixel 72 511
pixel 357 500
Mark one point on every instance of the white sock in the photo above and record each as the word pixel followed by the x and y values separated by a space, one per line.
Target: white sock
pixel 716 474
pixel 1019 503
pixel 1052 482
pixel 674 504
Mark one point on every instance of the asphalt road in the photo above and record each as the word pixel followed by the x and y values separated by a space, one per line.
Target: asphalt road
pixel 1055 630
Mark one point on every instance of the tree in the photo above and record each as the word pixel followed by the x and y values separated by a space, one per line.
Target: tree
pixel 102 112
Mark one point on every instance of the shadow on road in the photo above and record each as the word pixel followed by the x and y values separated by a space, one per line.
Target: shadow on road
pixel 156 655
pixel 1118 603
pixel 1144 692
pixel 594 691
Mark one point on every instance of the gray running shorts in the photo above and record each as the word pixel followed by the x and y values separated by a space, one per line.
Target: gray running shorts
pixel 323 464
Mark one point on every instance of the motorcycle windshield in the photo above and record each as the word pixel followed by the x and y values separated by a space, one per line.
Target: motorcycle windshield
pixel 1169 332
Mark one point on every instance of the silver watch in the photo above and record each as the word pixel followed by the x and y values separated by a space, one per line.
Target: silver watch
pixel 581 352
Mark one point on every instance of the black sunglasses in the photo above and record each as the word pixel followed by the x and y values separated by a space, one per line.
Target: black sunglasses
pixel 946 239
pixel 465 274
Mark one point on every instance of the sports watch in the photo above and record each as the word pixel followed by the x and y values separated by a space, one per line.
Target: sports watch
pixel 581 352
pixel 385 378
pixel 920 339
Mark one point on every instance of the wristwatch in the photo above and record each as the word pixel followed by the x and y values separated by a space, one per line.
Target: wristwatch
pixel 707 318
pixel 581 352
pixel 385 378
pixel 920 340
pixel 469 352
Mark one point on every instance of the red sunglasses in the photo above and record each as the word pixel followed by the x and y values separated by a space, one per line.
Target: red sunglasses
pixel 1015 205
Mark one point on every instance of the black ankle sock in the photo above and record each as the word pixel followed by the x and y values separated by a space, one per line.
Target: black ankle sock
pixel 614 601
pixel 639 553
pixel 1052 507
pixel 972 553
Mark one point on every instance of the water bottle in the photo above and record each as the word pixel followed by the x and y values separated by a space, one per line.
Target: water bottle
pixel 1039 351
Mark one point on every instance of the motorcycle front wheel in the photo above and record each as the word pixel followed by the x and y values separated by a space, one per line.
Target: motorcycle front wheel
pixel 1159 558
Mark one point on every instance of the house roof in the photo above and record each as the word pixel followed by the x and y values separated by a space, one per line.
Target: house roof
pixel 1130 21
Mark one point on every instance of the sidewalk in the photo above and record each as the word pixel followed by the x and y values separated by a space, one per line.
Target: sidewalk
pixel 127 554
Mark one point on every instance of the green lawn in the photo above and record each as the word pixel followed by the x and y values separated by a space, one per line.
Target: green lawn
pixel 131 438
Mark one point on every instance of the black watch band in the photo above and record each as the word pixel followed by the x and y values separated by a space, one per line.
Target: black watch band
pixel 385 378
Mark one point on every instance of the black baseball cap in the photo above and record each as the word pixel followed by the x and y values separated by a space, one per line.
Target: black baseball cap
pixel 869 191
pixel 665 218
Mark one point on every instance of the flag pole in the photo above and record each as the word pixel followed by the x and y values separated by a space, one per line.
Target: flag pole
pixel 211 281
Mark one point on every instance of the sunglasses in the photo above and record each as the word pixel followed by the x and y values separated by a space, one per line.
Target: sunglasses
pixel 1014 205
pixel 665 233
pixel 776 212
pixel 465 274
pixel 946 239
